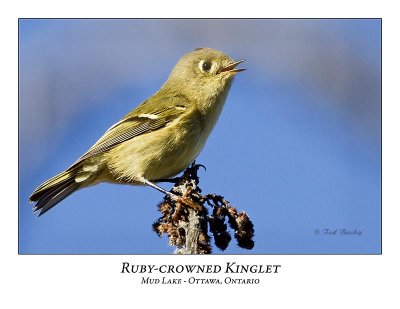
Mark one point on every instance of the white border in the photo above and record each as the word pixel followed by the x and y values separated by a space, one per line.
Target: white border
pixel 96 282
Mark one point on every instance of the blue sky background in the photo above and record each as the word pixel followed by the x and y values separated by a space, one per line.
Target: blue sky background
pixel 298 145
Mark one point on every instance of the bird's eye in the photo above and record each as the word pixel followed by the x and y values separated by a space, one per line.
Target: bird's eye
pixel 205 66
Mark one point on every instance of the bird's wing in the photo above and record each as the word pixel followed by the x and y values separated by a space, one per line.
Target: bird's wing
pixel 131 126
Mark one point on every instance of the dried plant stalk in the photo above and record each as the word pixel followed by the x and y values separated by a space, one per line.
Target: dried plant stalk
pixel 186 220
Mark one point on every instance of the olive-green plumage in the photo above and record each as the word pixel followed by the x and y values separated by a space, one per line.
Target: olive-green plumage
pixel 159 138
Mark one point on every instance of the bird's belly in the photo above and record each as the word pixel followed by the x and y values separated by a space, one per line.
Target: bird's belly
pixel 156 155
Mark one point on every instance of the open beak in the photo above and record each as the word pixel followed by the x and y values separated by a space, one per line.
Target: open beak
pixel 231 67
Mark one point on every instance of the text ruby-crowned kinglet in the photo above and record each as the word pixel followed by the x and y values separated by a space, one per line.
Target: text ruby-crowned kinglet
pixel 159 138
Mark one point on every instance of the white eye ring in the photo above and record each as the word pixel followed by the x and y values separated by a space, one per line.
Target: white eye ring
pixel 205 66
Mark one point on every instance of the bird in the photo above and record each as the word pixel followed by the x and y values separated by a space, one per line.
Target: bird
pixel 159 138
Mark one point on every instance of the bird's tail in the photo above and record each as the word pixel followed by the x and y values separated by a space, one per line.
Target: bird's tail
pixel 54 190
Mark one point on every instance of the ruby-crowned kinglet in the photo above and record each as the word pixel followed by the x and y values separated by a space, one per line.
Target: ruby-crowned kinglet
pixel 159 138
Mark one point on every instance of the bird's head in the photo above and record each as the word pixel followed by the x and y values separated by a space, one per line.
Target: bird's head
pixel 204 73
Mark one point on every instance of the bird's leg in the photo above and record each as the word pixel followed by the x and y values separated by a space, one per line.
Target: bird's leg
pixel 185 200
pixel 153 185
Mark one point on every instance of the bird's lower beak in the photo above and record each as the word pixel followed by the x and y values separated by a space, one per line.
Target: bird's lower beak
pixel 231 67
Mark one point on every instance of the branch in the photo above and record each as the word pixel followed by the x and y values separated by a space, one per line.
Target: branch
pixel 186 221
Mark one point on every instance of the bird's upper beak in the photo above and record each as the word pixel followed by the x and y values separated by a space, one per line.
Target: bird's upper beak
pixel 231 67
